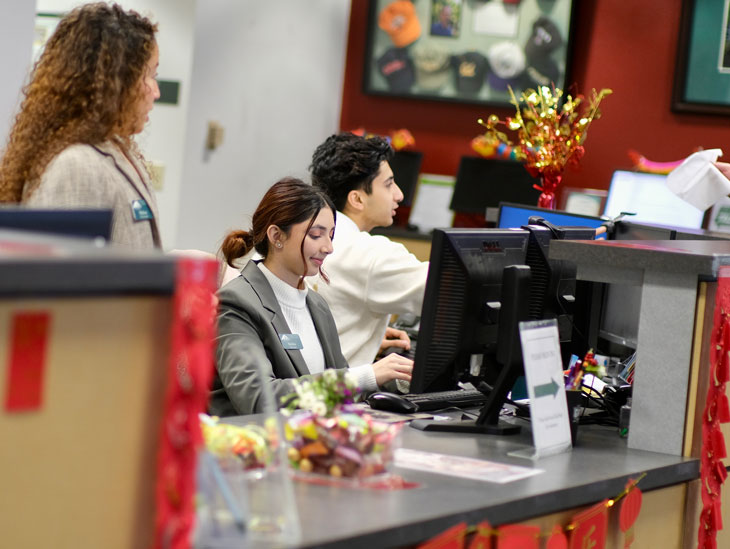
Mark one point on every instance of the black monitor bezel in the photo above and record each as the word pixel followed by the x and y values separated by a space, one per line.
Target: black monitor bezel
pixel 90 223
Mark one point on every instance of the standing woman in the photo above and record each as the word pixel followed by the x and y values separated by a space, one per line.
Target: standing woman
pixel 72 143
pixel 270 328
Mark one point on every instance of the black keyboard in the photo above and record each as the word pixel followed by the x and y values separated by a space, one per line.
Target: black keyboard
pixel 460 398
pixel 410 353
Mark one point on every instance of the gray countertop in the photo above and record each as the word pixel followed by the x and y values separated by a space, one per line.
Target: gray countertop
pixel 700 257
pixel 597 468
pixel 38 265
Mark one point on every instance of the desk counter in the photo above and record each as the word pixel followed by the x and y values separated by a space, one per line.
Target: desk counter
pixel 91 326
pixel 597 468
pixel 42 266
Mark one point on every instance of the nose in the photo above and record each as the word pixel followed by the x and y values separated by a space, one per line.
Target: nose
pixel 156 89
pixel 327 247
pixel 397 194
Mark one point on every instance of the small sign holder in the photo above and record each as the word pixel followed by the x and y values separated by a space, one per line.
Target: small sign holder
pixel 545 387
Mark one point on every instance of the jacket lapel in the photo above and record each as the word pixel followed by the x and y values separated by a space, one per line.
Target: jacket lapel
pixel 261 286
pixel 136 175
pixel 319 317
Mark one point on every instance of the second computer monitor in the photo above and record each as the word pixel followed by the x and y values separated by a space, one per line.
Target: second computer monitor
pixel 406 166
pixel 517 215
pixel 648 197
pixel 483 183
pixel 80 223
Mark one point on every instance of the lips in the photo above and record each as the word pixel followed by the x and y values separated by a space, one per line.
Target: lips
pixel 317 261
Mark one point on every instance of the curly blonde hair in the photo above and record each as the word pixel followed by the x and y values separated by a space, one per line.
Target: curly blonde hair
pixel 84 89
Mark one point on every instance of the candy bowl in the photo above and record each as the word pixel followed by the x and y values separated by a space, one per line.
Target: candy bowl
pixel 249 448
pixel 347 445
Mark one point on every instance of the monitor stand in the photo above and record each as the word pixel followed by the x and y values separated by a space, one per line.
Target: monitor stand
pixel 488 422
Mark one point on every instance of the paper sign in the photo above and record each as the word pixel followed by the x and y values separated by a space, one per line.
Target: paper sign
pixel 545 387
pixel 477 469
pixel 431 204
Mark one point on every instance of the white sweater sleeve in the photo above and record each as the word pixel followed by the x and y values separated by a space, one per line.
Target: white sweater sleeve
pixel 365 377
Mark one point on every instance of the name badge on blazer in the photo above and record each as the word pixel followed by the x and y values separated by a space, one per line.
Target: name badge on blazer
pixel 291 341
pixel 141 210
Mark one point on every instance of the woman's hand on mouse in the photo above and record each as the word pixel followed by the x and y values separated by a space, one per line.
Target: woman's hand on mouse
pixel 393 366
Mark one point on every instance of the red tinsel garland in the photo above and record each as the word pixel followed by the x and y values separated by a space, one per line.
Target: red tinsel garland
pixel 190 371
pixel 712 469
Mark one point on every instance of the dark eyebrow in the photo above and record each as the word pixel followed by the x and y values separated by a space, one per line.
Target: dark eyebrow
pixel 320 227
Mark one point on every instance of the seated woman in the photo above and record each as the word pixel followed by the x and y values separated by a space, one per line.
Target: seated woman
pixel 270 328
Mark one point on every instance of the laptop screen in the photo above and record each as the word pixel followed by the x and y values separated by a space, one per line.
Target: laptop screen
pixel 647 195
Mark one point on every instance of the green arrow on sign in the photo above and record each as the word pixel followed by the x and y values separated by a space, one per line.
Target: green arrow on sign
pixel 547 389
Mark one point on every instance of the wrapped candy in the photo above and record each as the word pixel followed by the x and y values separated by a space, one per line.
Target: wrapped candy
pixel 350 444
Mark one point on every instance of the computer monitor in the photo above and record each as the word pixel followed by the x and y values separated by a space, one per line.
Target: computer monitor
pixel 406 166
pixel 81 223
pixel 481 284
pixel 647 196
pixel 517 215
pixel 461 305
pixel 483 183
pixel 628 229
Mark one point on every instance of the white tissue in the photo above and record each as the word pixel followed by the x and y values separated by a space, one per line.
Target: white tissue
pixel 698 181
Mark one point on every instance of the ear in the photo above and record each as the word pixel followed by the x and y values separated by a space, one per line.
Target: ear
pixel 355 200
pixel 275 234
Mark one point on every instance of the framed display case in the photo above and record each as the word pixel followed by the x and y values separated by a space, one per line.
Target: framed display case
pixel 702 75
pixel 467 50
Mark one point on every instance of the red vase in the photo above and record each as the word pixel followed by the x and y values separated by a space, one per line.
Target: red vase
pixel 549 184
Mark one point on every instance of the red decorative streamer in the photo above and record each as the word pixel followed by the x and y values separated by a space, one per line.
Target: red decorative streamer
pixel 588 528
pixel 518 536
pixel 591 527
pixel 712 470
pixel 27 361
pixel 482 538
pixel 190 371
pixel 630 509
pixel 557 539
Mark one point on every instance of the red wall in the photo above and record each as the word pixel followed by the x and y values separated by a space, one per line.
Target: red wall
pixel 629 47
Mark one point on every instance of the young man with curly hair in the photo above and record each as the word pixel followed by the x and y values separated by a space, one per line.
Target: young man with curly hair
pixel 371 277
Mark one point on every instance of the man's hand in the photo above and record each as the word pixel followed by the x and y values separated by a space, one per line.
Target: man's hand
pixel 394 338
pixel 724 168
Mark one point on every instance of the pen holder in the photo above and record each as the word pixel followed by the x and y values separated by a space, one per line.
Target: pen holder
pixel 575 410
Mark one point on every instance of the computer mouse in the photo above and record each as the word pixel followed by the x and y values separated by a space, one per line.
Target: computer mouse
pixel 390 402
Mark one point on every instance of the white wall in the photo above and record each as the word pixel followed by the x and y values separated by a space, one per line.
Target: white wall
pixel 271 73
pixel 16 39
pixel 163 140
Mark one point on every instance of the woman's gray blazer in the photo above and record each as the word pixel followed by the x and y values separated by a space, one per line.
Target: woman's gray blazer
pixel 249 348
pixel 100 176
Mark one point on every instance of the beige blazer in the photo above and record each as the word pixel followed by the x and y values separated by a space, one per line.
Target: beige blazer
pixel 101 176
